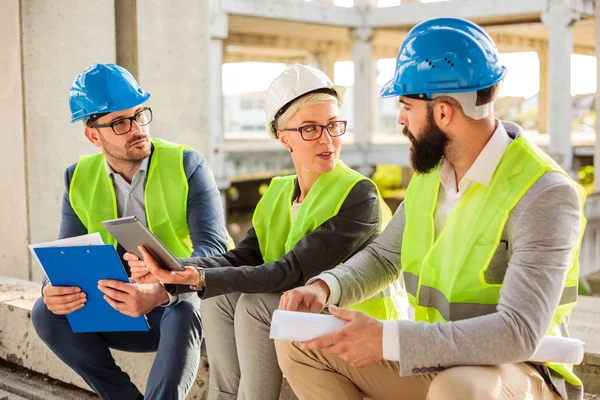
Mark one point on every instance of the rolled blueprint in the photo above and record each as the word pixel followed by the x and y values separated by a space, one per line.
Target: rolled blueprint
pixel 302 327
pixel 559 350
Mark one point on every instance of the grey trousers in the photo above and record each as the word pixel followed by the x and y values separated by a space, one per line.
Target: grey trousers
pixel 241 357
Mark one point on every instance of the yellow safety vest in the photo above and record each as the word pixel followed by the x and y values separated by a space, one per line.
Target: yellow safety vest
pixel 92 196
pixel 446 278
pixel 278 234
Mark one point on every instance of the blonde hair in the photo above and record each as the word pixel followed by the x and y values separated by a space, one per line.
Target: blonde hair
pixel 310 99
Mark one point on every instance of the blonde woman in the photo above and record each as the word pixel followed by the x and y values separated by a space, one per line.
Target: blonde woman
pixel 303 225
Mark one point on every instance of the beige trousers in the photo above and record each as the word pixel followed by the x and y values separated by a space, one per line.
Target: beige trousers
pixel 315 375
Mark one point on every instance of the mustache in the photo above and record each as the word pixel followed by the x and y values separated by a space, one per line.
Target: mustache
pixel 408 134
pixel 136 139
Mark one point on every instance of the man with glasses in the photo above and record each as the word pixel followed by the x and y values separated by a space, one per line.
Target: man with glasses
pixel 171 189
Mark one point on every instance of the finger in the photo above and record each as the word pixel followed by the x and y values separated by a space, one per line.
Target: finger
pixel 315 306
pixel 130 257
pixel 117 305
pixel 323 342
pixel 282 301
pixel 63 309
pixel 116 285
pixel 137 264
pixel 139 270
pixel 163 275
pixel 114 294
pixel 59 300
pixel 61 290
pixel 294 301
pixel 340 313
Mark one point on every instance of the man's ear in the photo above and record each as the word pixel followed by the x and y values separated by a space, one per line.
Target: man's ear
pixel 443 113
pixel 93 136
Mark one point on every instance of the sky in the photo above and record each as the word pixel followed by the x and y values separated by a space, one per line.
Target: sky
pixel 522 78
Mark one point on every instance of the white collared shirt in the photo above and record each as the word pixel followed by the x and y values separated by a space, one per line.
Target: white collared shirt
pixel 480 172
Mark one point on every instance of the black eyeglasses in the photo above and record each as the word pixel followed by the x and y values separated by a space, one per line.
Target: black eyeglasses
pixel 124 125
pixel 314 132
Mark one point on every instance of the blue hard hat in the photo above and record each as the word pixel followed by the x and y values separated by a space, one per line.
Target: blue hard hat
pixel 445 55
pixel 104 88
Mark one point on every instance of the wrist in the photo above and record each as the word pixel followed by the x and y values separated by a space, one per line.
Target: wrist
pixel 323 288
pixel 162 296
pixel 199 281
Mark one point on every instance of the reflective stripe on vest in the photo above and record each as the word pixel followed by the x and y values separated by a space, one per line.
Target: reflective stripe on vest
pixel 451 278
pixel 92 196
pixel 277 234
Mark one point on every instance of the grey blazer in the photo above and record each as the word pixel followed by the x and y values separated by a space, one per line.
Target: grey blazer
pixel 531 261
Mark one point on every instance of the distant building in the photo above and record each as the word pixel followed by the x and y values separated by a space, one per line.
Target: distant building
pixel 244 112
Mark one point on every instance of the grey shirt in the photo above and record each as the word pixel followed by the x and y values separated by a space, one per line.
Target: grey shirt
pixel 536 249
pixel 130 196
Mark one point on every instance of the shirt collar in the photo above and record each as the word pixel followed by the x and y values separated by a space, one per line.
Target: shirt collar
pixel 143 167
pixel 484 166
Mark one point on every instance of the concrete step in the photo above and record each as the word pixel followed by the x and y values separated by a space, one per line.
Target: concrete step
pixel 20 345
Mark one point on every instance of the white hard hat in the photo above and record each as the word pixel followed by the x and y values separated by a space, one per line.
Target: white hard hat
pixel 294 82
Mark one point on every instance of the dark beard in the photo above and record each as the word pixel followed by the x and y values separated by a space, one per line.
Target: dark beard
pixel 426 152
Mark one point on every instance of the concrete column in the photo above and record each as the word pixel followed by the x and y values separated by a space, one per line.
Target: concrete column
pixel 219 30
pixel 542 122
pixel 172 41
pixel 559 19
pixel 365 96
pixel 326 63
pixel 59 39
pixel 14 229
pixel 597 151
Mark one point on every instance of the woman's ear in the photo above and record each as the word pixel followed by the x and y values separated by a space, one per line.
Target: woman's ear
pixel 283 139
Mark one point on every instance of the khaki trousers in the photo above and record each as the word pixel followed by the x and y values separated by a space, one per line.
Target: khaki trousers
pixel 314 375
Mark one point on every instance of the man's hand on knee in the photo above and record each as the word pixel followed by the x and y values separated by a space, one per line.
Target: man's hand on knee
pixel 62 300
pixel 359 342
pixel 309 298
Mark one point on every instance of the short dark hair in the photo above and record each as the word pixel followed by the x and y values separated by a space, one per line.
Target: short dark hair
pixel 487 95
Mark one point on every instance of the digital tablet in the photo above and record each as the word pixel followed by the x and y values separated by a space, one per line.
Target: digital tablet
pixel 130 232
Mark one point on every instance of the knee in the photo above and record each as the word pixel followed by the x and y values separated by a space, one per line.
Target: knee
pixel 456 383
pixel 186 314
pixel 43 319
pixel 257 308
pixel 287 353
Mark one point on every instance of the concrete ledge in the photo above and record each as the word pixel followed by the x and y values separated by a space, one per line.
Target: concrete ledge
pixel 19 344
pixel 585 325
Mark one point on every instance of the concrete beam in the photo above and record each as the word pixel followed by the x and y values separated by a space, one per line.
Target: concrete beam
pixel 14 229
pixel 293 10
pixel 559 20
pixel 477 10
pixel 52 54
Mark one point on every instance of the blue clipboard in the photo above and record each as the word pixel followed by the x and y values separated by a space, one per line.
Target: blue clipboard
pixel 84 266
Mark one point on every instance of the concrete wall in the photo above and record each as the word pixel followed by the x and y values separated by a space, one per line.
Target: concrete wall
pixel 59 39
pixel 14 258
pixel 173 40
